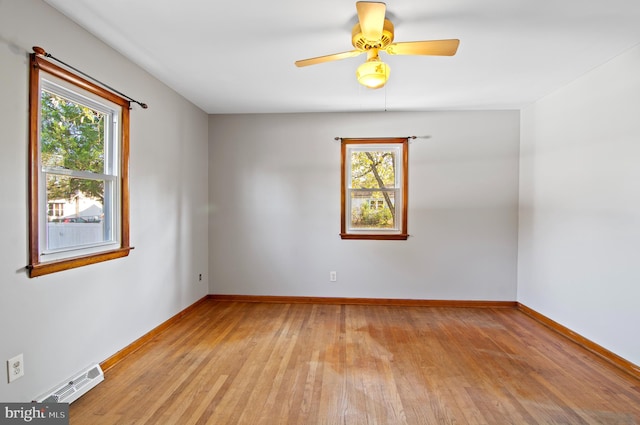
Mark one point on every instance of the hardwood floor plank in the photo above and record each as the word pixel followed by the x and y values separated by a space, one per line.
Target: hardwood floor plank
pixel 231 362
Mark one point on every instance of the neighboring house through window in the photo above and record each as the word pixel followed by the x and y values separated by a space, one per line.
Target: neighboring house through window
pixel 79 150
pixel 56 209
pixel 374 189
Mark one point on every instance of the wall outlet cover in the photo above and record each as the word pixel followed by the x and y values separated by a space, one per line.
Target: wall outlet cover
pixel 15 367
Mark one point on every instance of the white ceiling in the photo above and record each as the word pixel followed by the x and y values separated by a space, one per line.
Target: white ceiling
pixel 237 57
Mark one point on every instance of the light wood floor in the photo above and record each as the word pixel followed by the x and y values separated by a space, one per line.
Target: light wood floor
pixel 258 363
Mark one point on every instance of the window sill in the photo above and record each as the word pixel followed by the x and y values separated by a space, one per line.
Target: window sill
pixel 369 236
pixel 41 269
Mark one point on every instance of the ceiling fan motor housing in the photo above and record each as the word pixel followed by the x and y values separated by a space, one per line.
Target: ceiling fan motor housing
pixel 361 43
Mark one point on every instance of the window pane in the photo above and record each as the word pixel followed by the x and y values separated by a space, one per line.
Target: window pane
pixel 76 214
pixel 373 169
pixel 72 135
pixel 373 210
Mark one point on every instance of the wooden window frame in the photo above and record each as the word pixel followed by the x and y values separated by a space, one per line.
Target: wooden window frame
pixel 345 162
pixel 37 267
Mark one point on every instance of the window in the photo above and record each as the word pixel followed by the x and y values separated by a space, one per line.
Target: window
pixel 376 204
pixel 56 210
pixel 78 170
pixel 374 189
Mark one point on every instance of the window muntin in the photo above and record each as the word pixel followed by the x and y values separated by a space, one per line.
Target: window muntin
pixel 78 171
pixel 374 189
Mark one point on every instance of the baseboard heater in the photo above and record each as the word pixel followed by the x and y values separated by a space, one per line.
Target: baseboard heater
pixel 75 387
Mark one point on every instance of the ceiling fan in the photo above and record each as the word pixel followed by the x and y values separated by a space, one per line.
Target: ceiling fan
pixel 374 33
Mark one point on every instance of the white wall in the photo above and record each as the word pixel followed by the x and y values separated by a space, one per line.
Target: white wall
pixel 65 321
pixel 579 242
pixel 274 183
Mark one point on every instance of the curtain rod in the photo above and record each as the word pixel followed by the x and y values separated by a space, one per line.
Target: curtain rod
pixel 40 51
pixel 376 138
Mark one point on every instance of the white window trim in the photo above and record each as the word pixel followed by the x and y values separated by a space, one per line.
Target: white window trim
pixel 76 94
pixel 396 190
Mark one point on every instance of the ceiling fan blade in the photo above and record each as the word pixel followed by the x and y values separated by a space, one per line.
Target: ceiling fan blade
pixel 328 58
pixel 371 17
pixel 432 48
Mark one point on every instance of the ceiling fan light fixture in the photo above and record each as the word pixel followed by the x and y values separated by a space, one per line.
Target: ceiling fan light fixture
pixel 374 33
pixel 373 73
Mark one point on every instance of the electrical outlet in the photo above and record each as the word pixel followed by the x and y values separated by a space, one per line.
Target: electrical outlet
pixel 333 276
pixel 15 367
pixel 200 277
